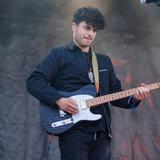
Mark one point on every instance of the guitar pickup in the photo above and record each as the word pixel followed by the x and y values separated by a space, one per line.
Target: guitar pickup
pixel 83 105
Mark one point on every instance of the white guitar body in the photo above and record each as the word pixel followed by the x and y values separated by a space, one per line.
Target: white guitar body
pixel 84 112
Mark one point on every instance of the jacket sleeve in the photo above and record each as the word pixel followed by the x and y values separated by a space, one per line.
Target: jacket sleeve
pixel 115 86
pixel 38 83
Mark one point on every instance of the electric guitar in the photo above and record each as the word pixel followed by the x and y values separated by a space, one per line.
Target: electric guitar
pixel 57 121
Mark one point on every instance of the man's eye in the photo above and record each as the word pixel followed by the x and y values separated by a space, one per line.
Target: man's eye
pixel 87 28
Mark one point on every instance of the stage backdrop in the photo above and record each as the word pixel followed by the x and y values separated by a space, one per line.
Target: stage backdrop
pixel 29 28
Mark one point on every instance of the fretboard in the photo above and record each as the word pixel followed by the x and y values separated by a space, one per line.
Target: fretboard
pixel 118 95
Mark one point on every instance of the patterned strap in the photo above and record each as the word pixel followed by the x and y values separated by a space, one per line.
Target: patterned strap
pixel 95 71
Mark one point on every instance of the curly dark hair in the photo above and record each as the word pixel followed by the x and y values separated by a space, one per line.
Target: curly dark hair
pixel 91 16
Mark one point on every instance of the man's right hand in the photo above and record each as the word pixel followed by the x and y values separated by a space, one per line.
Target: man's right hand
pixel 68 105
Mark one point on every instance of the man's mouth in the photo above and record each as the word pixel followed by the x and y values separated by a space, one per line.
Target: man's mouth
pixel 88 38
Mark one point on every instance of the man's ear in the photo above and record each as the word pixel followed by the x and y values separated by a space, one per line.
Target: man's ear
pixel 74 27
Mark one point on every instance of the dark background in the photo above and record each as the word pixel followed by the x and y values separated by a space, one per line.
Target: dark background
pixel 28 28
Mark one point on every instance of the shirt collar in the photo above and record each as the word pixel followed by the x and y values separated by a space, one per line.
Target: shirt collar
pixel 71 45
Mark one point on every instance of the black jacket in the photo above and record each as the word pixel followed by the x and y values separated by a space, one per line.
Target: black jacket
pixel 66 68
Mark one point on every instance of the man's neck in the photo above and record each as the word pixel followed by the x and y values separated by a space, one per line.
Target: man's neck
pixel 84 49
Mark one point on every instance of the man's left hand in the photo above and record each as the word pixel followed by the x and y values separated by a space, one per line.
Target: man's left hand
pixel 142 92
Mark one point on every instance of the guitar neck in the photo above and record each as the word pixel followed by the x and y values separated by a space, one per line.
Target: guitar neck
pixel 118 95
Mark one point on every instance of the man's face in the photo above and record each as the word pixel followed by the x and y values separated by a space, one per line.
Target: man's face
pixel 83 34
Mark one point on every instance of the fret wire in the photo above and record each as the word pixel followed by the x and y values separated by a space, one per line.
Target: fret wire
pixel 118 95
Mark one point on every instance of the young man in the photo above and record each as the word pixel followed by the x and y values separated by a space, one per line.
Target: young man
pixel 68 68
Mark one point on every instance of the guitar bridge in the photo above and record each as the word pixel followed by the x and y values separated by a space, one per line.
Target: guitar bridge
pixel 62 123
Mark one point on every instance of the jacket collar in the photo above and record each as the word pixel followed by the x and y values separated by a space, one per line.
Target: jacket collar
pixel 71 45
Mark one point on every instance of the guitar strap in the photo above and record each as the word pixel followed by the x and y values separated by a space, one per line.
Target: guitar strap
pixel 95 71
pixel 97 84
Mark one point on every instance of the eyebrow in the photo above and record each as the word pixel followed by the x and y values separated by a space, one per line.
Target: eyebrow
pixel 91 27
